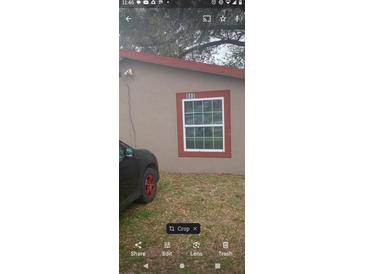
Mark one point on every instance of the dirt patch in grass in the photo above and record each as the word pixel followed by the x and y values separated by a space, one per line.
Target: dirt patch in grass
pixel 213 200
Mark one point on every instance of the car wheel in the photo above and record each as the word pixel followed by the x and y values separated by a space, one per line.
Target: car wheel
pixel 148 186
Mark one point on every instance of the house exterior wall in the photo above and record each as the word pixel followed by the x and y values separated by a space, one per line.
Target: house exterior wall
pixel 152 99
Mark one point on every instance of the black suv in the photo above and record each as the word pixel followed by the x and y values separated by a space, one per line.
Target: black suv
pixel 138 175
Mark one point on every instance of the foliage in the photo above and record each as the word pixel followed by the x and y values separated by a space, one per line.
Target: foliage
pixel 182 33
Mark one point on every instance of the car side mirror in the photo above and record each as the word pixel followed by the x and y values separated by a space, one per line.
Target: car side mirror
pixel 129 153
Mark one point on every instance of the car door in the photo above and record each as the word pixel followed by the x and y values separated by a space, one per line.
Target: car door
pixel 128 176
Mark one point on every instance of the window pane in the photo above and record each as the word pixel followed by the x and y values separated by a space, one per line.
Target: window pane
pixel 199 143
pixel 208 143
pixel 189 119
pixel 189 143
pixel 208 118
pixel 199 132
pixel 218 143
pixel 208 132
pixel 188 106
pixel 203 112
pixel 121 152
pixel 198 118
pixel 198 106
pixel 217 105
pixel 218 132
pixel 207 105
pixel 217 117
pixel 189 132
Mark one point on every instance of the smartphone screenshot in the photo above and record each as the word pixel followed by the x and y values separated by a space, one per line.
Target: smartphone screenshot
pixel 181 136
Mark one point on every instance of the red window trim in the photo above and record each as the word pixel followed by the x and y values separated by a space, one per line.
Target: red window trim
pixel 227 123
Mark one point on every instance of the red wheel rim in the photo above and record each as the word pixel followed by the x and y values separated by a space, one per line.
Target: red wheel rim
pixel 149 186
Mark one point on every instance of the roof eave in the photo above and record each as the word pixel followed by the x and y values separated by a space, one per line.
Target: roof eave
pixel 182 64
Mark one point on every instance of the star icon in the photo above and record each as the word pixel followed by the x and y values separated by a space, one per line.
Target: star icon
pixel 223 18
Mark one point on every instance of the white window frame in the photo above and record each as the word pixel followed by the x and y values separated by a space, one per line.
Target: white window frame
pixel 203 125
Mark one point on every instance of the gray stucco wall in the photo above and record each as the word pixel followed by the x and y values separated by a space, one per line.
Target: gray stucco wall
pixel 153 91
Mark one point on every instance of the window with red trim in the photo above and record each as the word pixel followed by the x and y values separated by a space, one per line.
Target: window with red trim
pixel 204 128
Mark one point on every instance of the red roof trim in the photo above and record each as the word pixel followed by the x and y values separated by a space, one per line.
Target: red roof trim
pixel 182 64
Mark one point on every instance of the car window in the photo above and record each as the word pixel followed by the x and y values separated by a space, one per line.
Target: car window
pixel 121 152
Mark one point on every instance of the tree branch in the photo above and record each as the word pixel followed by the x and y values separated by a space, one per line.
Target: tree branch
pixel 212 44
pixel 226 27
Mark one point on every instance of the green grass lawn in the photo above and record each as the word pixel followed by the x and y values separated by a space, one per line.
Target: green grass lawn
pixel 215 201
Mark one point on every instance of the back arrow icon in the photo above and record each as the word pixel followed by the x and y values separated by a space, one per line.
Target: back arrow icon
pixel 128 18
